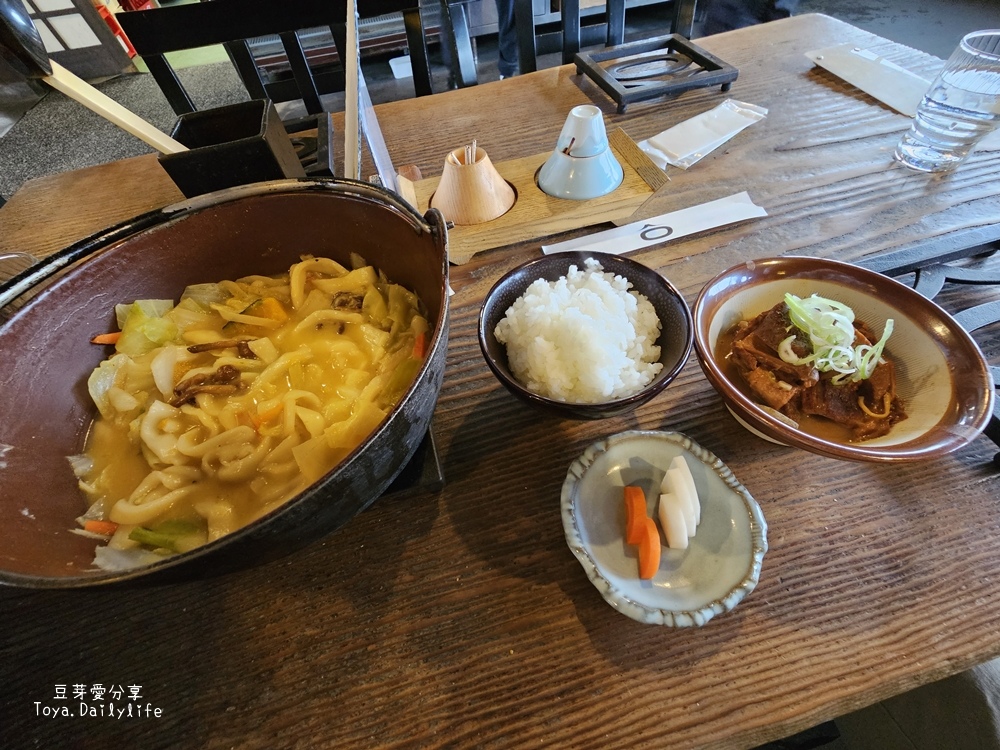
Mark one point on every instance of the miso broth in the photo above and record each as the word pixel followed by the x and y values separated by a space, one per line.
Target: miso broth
pixel 220 408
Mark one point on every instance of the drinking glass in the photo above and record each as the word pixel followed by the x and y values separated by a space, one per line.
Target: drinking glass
pixel 961 106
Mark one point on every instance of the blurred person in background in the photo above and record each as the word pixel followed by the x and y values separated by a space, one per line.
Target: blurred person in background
pixel 725 15
pixel 506 39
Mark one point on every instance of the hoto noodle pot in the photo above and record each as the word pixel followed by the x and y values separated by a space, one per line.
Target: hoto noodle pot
pixel 49 313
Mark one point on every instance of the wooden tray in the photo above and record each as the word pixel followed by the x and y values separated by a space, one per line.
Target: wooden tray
pixel 535 214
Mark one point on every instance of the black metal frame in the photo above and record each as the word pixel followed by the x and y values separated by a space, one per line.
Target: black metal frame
pixel 930 263
pixel 316 153
pixel 646 69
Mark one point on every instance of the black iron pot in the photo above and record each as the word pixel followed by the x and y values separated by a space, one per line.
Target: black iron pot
pixel 56 307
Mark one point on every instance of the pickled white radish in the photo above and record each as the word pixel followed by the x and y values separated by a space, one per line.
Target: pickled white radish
pixel 687 499
pixel 672 521
pixel 680 464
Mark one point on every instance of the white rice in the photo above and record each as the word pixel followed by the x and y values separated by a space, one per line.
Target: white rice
pixel 582 339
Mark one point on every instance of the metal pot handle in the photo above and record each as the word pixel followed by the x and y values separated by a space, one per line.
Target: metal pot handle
pixel 11 264
pixel 37 273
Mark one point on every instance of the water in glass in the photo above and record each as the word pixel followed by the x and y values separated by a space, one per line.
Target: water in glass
pixel 960 108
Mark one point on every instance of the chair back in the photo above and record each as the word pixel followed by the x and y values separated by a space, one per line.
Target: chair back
pixel 577 26
pixel 158 31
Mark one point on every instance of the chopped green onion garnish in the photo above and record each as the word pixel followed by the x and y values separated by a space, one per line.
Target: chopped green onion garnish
pixel 830 327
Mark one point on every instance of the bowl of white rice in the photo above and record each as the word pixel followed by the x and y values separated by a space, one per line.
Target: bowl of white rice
pixel 588 335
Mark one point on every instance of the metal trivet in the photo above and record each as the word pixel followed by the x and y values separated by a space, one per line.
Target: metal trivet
pixel 932 264
pixel 315 152
pixel 423 472
pixel 655 67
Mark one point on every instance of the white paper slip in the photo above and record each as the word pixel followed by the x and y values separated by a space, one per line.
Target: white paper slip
pixel 990 142
pixel 889 83
pixel 689 141
pixel 652 231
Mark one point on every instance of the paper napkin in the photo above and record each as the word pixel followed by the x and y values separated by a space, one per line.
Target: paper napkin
pixel 688 141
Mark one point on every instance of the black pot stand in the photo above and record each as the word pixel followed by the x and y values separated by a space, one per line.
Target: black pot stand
pixel 935 263
pixel 651 68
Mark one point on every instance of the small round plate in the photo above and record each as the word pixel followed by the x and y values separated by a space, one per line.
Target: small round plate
pixel 722 562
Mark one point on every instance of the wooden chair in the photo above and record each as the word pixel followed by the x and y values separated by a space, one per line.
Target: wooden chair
pixel 155 32
pixel 576 27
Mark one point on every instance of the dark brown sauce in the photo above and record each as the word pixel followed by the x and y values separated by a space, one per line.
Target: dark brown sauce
pixel 820 427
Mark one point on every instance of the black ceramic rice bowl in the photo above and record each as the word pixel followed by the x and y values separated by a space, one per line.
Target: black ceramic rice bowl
pixel 675 338
pixel 259 229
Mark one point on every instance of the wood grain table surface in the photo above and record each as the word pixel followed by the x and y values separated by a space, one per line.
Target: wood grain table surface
pixel 460 618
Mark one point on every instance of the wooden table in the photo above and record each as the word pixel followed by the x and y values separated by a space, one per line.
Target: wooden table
pixel 460 618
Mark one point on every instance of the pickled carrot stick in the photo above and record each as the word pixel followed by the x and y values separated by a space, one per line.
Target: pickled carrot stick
pixel 649 549
pixel 635 512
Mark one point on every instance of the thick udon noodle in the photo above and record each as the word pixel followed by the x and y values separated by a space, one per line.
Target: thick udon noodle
pixel 219 409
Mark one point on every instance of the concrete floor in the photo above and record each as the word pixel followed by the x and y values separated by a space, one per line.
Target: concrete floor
pixel 933 26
